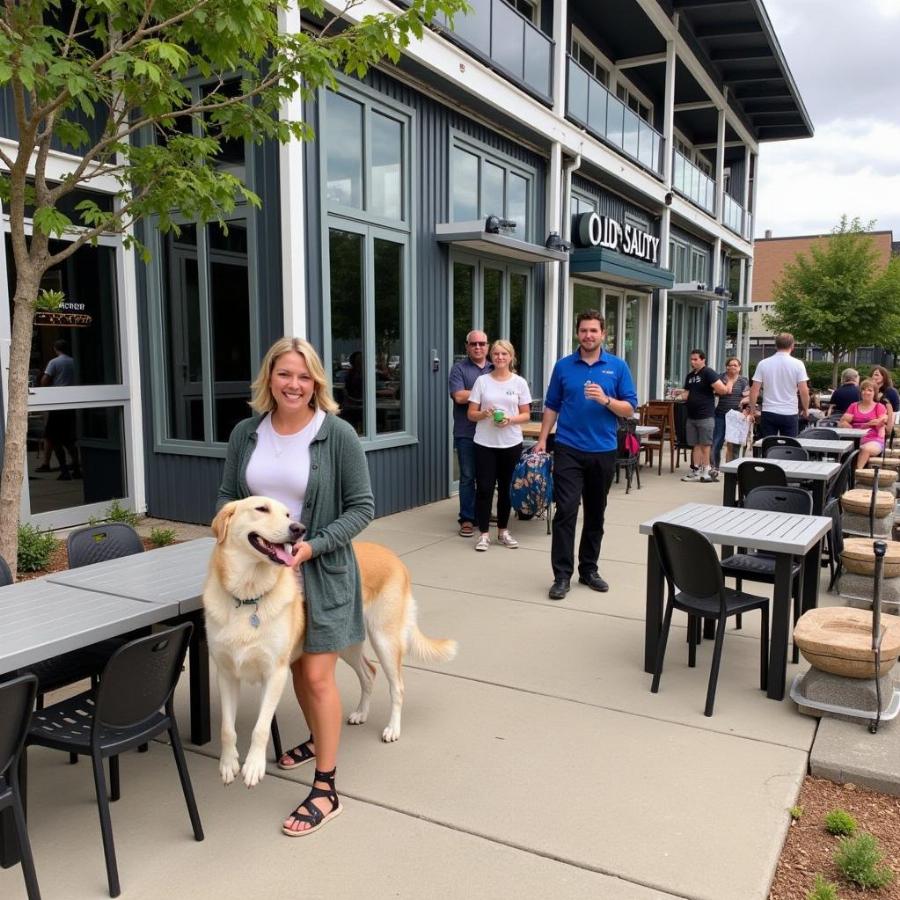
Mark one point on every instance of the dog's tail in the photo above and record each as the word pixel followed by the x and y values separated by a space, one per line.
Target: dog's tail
pixel 428 649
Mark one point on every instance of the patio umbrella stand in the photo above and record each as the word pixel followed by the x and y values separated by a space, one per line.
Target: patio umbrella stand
pixel 852 656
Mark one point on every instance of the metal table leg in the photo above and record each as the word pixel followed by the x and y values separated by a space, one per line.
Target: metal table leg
pixel 654 606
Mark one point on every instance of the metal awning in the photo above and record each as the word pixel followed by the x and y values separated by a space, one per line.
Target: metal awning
pixel 472 236
pixel 619 268
pixel 696 290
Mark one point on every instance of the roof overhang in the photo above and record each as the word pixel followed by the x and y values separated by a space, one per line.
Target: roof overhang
pixel 472 236
pixel 740 309
pixel 618 268
pixel 696 290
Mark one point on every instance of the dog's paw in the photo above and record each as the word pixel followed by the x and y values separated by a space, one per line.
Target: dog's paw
pixel 391 734
pixel 357 718
pixel 229 766
pixel 254 768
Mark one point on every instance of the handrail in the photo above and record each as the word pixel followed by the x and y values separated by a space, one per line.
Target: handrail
pixel 593 106
pixel 692 182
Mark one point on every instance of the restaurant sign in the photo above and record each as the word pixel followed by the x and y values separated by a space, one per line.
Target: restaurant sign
pixel 68 315
pixel 593 230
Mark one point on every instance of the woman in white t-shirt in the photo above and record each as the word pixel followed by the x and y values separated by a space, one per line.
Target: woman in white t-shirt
pixel 499 403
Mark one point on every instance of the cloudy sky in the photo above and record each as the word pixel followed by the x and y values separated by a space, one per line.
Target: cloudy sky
pixel 844 57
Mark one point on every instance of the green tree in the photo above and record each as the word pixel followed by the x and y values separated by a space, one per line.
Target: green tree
pixel 105 81
pixel 838 296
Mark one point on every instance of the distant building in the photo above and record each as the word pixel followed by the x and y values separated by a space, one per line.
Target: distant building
pixel 771 256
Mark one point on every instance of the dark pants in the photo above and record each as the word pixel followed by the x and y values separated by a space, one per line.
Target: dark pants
pixel 465 458
pixel 586 478
pixel 773 423
pixel 494 466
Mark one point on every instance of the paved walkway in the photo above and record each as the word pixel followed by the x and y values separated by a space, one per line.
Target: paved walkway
pixel 536 764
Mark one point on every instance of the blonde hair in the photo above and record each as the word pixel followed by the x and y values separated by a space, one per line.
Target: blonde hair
pixel 508 347
pixel 867 385
pixel 261 399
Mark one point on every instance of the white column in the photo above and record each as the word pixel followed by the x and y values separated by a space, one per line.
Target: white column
pixel 712 343
pixel 754 157
pixel 747 232
pixel 560 21
pixel 293 207
pixel 669 116
pixel 720 164
pixel 665 226
pixel 745 354
pixel 551 283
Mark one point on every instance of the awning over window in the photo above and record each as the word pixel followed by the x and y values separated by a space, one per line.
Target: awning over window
pixel 696 290
pixel 619 269
pixel 472 236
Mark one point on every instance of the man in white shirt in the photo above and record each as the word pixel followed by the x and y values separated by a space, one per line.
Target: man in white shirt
pixel 782 378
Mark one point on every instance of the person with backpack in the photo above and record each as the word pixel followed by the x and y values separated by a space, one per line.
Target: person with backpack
pixel 499 403
pixel 588 391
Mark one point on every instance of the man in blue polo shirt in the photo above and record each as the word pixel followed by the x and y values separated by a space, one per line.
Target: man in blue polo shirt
pixel 462 379
pixel 588 391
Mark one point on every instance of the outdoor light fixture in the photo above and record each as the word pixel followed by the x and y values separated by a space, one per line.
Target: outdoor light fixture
pixel 723 292
pixel 555 242
pixel 496 225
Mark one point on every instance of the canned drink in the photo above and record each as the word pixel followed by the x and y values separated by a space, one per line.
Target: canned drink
pixel 499 415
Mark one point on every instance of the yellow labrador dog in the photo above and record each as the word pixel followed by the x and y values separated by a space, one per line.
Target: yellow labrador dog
pixel 255 622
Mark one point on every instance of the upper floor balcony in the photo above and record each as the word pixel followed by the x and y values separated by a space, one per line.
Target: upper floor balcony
pixel 735 217
pixel 593 106
pixel 693 183
pixel 506 41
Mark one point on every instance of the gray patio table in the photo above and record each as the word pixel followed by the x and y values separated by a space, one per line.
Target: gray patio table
pixel 815 446
pixel 851 434
pixel 170 578
pixel 40 620
pixel 783 534
pixel 819 474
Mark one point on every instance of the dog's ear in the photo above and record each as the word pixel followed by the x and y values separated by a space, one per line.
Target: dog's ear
pixel 222 520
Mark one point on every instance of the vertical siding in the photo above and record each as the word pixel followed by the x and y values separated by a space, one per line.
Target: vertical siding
pixel 613 205
pixel 736 184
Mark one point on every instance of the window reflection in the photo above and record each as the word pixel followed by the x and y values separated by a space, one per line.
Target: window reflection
pixel 464 179
pixel 387 159
pixel 493 297
pixel 518 295
pixel 492 190
pixel 389 361
pixel 345 253
pixel 86 324
pixel 517 204
pixel 344 148
pixel 75 457
pixel 463 294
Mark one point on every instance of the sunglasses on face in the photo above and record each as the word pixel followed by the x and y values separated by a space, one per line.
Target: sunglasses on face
pixel 478 343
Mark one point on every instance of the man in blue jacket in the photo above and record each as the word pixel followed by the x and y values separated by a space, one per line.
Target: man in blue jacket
pixel 588 391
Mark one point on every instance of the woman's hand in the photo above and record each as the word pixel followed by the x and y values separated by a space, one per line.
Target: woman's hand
pixel 302 553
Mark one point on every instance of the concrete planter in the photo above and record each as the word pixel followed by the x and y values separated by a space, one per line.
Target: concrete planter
pixel 858 557
pixel 859 500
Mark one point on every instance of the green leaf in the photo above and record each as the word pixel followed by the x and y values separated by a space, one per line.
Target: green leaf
pixel 49 220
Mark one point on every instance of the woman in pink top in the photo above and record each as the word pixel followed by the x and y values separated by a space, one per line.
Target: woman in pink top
pixel 867 414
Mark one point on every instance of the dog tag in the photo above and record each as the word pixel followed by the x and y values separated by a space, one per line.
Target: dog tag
pixel 254 620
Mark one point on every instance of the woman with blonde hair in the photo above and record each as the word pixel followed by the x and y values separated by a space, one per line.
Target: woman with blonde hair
pixel 498 404
pixel 296 450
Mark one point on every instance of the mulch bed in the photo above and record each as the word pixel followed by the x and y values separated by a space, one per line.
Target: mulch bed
pixel 59 560
pixel 809 848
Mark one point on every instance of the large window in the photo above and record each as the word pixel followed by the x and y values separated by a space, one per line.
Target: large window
pixel 368 264
pixel 483 183
pixel 205 340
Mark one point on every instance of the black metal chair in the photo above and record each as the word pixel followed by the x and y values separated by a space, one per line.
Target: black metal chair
pixel 99 543
pixel 787 452
pixel 834 540
pixel 759 566
pixel 696 586
pixel 132 704
pixel 820 433
pixel 754 473
pixel 16 703
pixel 5 573
pixel 777 440
pixel 625 459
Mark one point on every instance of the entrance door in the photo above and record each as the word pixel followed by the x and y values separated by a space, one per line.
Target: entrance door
pixel 77 449
pixel 494 297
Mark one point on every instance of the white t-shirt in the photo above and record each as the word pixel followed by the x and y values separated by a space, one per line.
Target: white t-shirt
pixel 279 466
pixel 508 395
pixel 780 375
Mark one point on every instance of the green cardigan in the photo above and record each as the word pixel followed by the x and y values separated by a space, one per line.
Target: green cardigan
pixel 338 505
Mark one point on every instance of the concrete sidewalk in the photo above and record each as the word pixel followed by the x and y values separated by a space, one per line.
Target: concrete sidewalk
pixel 537 763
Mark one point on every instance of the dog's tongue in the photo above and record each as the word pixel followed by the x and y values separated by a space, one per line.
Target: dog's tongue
pixel 282 551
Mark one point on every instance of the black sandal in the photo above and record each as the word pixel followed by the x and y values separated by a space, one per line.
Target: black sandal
pixel 300 754
pixel 315 817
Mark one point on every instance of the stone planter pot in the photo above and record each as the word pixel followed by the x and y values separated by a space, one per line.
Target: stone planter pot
pixel 858 557
pixel 887 478
pixel 858 501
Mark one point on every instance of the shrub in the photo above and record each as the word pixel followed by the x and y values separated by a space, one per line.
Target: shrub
pixel 823 889
pixel 861 861
pixel 35 547
pixel 161 537
pixel 795 812
pixel 117 513
pixel 840 822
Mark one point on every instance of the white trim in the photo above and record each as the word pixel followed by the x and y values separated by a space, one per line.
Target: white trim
pixel 60 164
pixel 633 62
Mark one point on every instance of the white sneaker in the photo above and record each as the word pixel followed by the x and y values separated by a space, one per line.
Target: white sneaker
pixel 483 542
pixel 507 540
pixel 706 478
pixel 691 476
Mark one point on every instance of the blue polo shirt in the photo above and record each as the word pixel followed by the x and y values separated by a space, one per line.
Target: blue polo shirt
pixel 585 424
pixel 463 376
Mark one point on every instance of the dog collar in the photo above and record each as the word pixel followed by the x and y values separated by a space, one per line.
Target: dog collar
pixel 253 601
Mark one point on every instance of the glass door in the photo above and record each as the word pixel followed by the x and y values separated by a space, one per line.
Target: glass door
pixel 77 452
